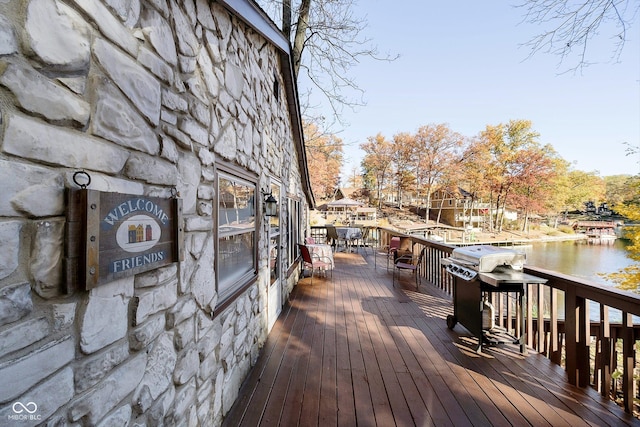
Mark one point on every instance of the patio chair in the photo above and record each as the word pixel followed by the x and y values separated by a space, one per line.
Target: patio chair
pixel 369 239
pixel 314 262
pixel 409 263
pixel 389 251
pixel 333 238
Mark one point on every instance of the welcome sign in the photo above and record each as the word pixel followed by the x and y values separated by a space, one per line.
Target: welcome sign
pixel 124 234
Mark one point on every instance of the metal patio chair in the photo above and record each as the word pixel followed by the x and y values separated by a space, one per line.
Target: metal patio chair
pixel 314 261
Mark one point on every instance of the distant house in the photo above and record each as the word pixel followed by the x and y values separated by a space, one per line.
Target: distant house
pixel 459 208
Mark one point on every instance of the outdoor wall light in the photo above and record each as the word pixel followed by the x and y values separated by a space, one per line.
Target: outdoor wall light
pixel 270 205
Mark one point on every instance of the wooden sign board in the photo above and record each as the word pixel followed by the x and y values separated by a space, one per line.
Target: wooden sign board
pixel 113 235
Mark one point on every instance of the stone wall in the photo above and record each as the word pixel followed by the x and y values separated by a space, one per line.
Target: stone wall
pixel 146 96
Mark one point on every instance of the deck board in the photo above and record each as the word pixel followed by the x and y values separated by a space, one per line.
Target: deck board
pixel 354 350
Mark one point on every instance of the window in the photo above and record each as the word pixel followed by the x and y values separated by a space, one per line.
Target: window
pixel 236 260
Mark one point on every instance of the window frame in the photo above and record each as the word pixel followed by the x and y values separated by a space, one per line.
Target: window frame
pixel 231 291
pixel 294 229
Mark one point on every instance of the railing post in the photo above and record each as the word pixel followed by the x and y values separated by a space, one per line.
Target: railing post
pixel 605 352
pixel 628 343
pixel 584 338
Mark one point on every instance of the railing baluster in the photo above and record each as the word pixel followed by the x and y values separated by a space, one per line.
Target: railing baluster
pixel 605 352
pixel 554 348
pixel 628 344
pixel 529 322
pixel 570 338
pixel 541 333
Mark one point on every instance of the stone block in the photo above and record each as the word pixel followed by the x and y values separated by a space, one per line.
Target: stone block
pixel 115 120
pixel 104 321
pixel 182 311
pixel 48 397
pixel 195 130
pixel 156 65
pixel 188 44
pixel 9 250
pixel 156 277
pixel 15 302
pixel 161 407
pixel 46 258
pixel 141 87
pixel 186 367
pixel 185 333
pixel 155 299
pixel 17 198
pixel 58 35
pixel 157 374
pixel 90 370
pixel 185 396
pixel 188 181
pixel 23 334
pixel 158 31
pixel 141 336
pixel 119 417
pixel 109 392
pixel 32 139
pixel 109 25
pixel 9 44
pixel 29 370
pixel 153 170
pixel 41 96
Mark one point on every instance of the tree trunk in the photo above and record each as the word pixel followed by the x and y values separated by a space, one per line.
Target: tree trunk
pixel 301 34
pixel 286 18
pixel 440 211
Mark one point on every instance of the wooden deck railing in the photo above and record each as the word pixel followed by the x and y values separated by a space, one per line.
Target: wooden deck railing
pixel 598 351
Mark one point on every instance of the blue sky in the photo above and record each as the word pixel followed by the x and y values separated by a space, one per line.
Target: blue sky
pixel 462 63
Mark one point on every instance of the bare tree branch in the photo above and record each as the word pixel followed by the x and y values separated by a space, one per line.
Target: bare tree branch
pixel 327 41
pixel 571 25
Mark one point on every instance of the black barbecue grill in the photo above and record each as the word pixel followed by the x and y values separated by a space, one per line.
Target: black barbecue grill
pixel 479 271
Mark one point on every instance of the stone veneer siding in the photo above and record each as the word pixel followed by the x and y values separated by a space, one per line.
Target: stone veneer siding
pixel 146 96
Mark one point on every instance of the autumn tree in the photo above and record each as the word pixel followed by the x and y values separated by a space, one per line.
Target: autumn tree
pixel 534 180
pixel 404 149
pixel 324 158
pixel 582 187
pixel 437 150
pixel 377 163
pixel 499 163
pixel 569 26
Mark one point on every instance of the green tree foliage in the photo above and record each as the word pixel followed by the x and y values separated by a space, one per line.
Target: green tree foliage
pixel 582 187
pixel 629 277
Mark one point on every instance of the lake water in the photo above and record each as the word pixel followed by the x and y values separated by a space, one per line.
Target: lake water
pixel 582 260
pixel 579 258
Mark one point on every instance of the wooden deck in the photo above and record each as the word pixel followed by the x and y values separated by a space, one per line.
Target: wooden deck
pixel 353 351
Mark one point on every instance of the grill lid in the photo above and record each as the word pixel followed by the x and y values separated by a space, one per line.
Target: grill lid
pixel 485 258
